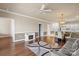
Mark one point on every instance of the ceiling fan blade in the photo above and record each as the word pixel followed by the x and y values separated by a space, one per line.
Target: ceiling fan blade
pixel 42 7
pixel 48 10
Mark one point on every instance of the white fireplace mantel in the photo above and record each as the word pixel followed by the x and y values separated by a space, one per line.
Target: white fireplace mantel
pixel 27 36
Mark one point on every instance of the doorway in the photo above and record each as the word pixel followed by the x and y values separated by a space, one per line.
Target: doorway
pixel 5 27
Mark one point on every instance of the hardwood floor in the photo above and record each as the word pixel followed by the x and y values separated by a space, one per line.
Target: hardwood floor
pixel 7 48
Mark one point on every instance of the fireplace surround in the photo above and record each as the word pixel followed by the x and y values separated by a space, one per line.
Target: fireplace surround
pixel 30 36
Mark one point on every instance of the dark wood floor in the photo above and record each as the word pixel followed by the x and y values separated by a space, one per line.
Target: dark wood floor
pixel 8 49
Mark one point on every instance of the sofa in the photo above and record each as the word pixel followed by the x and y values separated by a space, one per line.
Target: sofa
pixel 71 48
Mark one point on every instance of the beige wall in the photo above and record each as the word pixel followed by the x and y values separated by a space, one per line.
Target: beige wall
pixel 5 26
pixel 28 25
pixel 22 25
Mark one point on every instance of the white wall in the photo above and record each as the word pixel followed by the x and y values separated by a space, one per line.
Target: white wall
pixel 5 26
pixel 54 26
pixel 28 25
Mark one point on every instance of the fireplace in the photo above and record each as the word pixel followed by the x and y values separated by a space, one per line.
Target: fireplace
pixel 29 36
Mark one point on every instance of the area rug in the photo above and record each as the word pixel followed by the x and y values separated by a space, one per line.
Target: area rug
pixel 39 51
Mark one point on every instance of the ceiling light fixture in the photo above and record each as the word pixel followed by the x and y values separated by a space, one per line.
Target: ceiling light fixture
pixel 45 10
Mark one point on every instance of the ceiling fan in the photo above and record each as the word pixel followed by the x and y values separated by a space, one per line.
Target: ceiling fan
pixel 44 9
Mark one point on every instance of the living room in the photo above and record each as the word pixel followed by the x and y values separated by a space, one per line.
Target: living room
pixel 39 29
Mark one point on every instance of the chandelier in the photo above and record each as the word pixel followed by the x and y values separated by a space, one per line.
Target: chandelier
pixel 61 20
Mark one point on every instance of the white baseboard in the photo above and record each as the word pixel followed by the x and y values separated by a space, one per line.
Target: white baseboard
pixel 4 35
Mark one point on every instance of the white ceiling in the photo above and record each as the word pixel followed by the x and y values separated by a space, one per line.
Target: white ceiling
pixel 70 10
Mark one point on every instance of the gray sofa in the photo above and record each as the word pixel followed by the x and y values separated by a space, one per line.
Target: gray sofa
pixel 71 48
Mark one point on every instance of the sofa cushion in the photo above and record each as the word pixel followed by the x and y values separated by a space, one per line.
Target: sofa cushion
pixel 75 46
pixel 76 53
pixel 67 49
